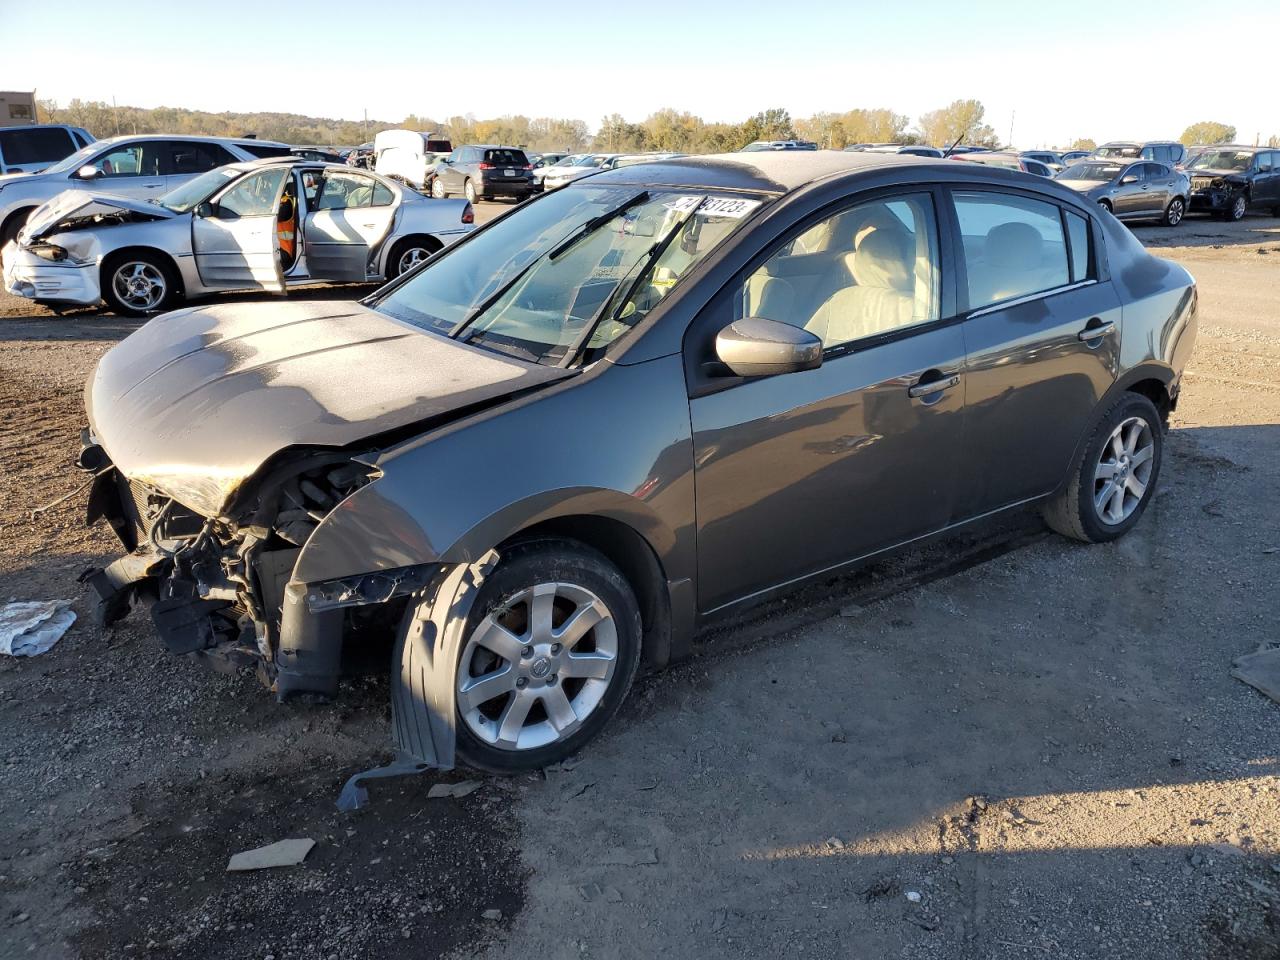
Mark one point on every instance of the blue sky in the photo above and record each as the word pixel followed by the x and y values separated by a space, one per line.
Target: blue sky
pixel 1057 70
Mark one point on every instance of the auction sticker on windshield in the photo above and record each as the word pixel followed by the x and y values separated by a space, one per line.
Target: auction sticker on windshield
pixel 732 208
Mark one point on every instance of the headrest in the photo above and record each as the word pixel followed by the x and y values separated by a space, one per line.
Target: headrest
pixel 1017 245
pixel 884 258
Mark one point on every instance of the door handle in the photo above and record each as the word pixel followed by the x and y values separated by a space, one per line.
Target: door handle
pixel 369 226
pixel 918 390
pixel 1096 330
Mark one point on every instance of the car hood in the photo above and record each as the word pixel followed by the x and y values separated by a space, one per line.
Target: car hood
pixel 1213 172
pixel 196 401
pixel 1083 186
pixel 74 207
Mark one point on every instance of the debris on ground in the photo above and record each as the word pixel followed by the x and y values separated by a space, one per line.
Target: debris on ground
pixel 913 896
pixel 282 853
pixel 492 914
pixel 1260 670
pixel 460 789
pixel 29 628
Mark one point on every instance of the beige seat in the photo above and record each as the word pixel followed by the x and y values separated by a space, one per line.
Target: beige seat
pixel 883 298
pixel 1012 265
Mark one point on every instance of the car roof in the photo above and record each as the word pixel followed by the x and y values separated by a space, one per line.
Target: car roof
pixel 778 172
pixel 237 141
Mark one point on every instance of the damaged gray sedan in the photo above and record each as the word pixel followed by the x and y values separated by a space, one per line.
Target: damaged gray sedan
pixel 631 406
pixel 269 224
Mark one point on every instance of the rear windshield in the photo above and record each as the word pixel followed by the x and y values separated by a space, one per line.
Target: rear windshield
pixel 439 146
pixel 35 146
pixel 1118 150
pixel 263 149
pixel 510 158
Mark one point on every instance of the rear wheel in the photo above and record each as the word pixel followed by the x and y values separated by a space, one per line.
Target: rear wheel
pixel 1174 212
pixel 469 190
pixel 1113 479
pixel 552 646
pixel 138 283
pixel 408 253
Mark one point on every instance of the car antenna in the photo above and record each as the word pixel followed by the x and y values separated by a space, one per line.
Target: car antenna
pixel 953 146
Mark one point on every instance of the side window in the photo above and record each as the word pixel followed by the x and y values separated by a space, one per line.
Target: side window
pixel 1266 162
pixel 1134 173
pixel 1157 171
pixel 122 161
pixel 1163 154
pixel 344 191
pixel 189 157
pixel 1148 153
pixel 1081 246
pixel 382 195
pixel 1013 246
pixel 867 270
pixel 255 195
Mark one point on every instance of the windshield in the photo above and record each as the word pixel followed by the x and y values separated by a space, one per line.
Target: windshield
pixel 1091 171
pixel 1222 160
pixel 573 272
pixel 75 161
pixel 194 192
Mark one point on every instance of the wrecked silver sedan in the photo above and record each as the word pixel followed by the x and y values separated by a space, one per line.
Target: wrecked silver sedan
pixel 630 406
pixel 264 225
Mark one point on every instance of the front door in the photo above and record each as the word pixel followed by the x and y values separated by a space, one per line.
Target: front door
pixel 1043 339
pixel 803 472
pixel 1131 198
pixel 351 216
pixel 234 238
pixel 135 169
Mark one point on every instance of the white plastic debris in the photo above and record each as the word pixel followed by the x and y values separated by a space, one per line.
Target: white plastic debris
pixel 29 628
pixel 460 789
pixel 282 853
pixel 913 896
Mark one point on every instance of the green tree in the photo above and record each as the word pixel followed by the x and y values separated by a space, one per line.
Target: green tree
pixel 1208 132
pixel 960 120
pixel 1083 143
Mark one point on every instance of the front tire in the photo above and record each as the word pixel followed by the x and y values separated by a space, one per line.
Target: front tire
pixel 1236 209
pixel 437 189
pixel 469 190
pixel 1114 478
pixel 1174 212
pixel 138 283
pixel 552 646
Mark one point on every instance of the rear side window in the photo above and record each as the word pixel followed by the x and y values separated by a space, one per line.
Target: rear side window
pixel 505 158
pixel 36 146
pixel 1013 246
pixel 193 157
pixel 1081 246
pixel 439 146
pixel 262 149
pixel 1156 171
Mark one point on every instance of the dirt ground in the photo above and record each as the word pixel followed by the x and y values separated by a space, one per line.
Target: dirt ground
pixel 1000 746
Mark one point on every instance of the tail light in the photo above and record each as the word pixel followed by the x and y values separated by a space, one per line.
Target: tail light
pixel 527 166
pixel 486 166
pixel 468 215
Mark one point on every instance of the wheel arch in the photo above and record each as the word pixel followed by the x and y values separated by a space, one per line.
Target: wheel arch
pixel 18 216
pixel 392 250
pixel 136 249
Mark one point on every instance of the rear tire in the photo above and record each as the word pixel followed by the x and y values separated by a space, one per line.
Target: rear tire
pixel 578 579
pixel 138 283
pixel 1112 481
pixel 408 253
pixel 1174 212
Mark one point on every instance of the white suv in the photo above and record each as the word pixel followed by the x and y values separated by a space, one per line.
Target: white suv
pixel 137 166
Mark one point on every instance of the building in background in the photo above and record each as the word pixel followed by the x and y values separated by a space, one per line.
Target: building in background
pixel 17 108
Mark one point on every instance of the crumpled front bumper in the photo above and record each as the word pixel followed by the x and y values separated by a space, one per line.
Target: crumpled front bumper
pixel 32 277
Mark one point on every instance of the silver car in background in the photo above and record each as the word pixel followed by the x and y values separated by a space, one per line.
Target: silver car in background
pixel 138 166
pixel 1142 190
pixel 265 225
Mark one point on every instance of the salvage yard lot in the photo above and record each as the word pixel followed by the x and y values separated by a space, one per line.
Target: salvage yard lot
pixel 1038 741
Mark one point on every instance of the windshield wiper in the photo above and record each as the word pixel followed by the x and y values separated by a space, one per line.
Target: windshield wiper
pixel 644 263
pixel 595 223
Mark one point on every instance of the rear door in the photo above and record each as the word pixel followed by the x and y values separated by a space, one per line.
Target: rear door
pixel 1042 335
pixel 234 241
pixel 348 220
pixel 1266 183
pixel 1159 182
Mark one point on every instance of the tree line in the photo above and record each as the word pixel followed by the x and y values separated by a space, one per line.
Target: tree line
pixel 667 130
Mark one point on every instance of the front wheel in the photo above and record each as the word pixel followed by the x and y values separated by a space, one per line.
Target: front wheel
pixel 469 191
pixel 1112 481
pixel 1237 208
pixel 1174 212
pixel 135 284
pixel 1105 205
pixel 551 648
pixel 437 189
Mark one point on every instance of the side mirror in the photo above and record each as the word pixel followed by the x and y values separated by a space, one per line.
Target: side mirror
pixel 1131 178
pixel 759 347
pixel 206 209
pixel 88 172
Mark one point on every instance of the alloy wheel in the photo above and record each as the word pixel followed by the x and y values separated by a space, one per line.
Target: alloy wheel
pixel 537 666
pixel 411 258
pixel 1175 213
pixel 139 285
pixel 1238 206
pixel 1123 471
